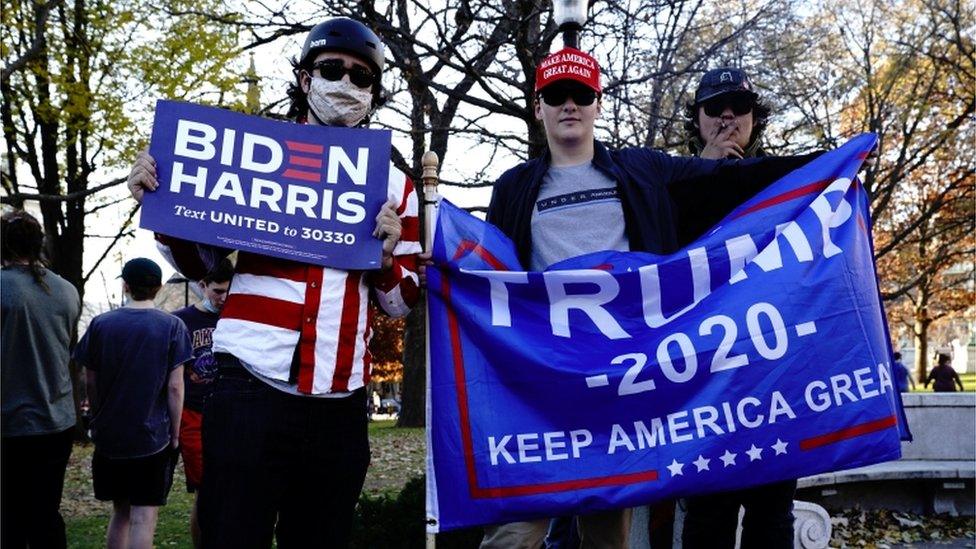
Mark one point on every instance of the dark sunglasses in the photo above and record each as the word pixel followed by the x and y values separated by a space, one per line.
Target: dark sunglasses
pixel 555 96
pixel 333 70
pixel 740 105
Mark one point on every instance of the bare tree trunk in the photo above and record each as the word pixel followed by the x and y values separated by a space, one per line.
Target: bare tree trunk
pixel 920 333
pixel 413 405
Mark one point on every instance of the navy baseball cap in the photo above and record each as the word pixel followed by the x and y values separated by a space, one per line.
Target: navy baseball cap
pixel 721 81
pixel 142 272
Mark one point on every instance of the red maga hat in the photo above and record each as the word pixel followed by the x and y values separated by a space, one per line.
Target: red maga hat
pixel 568 64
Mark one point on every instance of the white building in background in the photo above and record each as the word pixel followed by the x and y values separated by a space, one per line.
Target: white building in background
pixel 962 330
pixel 955 337
pixel 964 355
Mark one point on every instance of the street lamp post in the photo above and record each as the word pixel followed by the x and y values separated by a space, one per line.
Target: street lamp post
pixel 570 16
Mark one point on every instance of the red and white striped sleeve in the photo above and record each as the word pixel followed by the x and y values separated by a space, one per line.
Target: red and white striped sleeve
pixel 398 288
pixel 193 260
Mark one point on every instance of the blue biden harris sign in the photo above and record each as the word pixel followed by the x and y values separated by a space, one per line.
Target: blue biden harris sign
pixel 302 192
pixel 758 353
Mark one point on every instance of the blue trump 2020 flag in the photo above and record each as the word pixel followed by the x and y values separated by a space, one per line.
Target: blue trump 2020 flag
pixel 758 353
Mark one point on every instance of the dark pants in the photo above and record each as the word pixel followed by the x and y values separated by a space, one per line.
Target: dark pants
pixel 711 520
pixel 562 534
pixel 660 524
pixel 33 479
pixel 279 465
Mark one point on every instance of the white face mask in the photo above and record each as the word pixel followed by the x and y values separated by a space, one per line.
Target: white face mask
pixel 339 103
pixel 209 306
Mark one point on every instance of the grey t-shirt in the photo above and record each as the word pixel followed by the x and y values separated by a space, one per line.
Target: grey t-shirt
pixel 577 212
pixel 35 331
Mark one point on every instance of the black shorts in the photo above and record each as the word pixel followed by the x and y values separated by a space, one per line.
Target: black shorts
pixel 143 481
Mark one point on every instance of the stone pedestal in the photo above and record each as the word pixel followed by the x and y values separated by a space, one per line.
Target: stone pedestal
pixel 811 529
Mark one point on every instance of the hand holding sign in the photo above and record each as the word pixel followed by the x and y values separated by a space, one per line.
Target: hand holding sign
pixel 388 229
pixel 142 176
pixel 293 191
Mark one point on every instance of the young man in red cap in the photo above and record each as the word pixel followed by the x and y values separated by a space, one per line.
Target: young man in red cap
pixel 571 201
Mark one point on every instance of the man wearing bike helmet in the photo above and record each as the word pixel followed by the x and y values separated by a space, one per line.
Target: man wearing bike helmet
pixel 285 439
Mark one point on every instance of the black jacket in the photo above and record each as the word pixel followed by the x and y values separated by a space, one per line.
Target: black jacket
pixel 668 201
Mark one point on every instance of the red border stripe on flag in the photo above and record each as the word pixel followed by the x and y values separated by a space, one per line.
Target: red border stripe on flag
pixel 469 246
pixel 849 433
pixel 567 485
pixel 786 197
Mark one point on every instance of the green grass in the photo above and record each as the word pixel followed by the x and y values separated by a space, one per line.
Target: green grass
pixel 172 530
pixel 968 384
pixel 397 455
pixel 86 518
pixel 384 427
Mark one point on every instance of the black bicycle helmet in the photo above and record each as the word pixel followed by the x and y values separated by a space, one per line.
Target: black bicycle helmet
pixel 344 35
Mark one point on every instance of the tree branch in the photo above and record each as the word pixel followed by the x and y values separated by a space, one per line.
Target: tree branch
pixel 40 197
pixel 122 232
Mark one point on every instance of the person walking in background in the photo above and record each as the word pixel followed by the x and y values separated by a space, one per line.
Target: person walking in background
pixel 133 359
pixel 945 377
pixel 902 375
pixel 38 316
pixel 200 319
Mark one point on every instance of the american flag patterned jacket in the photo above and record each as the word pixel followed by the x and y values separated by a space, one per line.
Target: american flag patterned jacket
pixel 305 324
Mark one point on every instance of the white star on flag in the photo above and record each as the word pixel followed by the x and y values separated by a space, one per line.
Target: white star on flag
pixel 728 458
pixel 780 447
pixel 754 453
pixel 701 463
pixel 675 468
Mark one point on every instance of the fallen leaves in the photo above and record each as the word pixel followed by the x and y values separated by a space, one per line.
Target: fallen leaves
pixel 885 528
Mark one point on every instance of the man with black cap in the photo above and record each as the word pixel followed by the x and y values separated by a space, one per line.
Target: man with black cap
pixel 133 359
pixel 285 446
pixel 726 120
pixel 581 197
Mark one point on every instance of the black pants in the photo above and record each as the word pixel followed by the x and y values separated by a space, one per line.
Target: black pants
pixel 711 520
pixel 280 465
pixel 33 479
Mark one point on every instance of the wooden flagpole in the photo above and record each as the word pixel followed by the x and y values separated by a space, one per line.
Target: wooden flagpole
pixel 430 178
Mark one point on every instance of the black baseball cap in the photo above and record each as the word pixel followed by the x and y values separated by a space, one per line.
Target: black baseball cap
pixel 721 81
pixel 142 272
